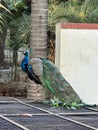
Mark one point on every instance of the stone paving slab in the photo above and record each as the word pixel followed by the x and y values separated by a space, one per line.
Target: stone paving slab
pixel 49 122
pixel 34 119
pixel 5 125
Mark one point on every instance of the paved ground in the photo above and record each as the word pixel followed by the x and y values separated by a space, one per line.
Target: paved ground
pixel 23 114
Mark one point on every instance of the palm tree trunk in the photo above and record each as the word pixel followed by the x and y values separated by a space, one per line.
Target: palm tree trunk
pixel 39 18
pixel 38 41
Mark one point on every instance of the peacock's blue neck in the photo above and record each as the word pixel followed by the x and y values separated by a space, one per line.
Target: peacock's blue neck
pixel 25 62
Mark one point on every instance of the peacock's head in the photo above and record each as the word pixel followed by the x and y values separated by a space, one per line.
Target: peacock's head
pixel 25 52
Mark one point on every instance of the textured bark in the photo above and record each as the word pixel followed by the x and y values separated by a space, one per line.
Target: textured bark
pixel 51 50
pixel 2 40
pixel 38 38
pixel 39 18
pixel 1 50
pixel 2 45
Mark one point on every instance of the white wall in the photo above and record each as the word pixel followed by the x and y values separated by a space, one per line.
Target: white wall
pixel 77 59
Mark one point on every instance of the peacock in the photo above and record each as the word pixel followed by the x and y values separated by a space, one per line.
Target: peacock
pixel 27 68
pixel 43 71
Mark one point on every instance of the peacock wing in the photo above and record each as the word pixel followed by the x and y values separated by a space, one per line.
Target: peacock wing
pixel 37 66
pixel 34 70
pixel 53 80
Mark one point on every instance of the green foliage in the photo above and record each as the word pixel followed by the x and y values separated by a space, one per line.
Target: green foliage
pixel 77 11
pixel 3 7
pixel 3 23
pixel 55 9
pixel 73 105
pixel 85 12
pixel 3 20
pixel 18 35
pixel 54 103
pixel 91 11
pixel 19 32
pixel 18 28
pixel 16 7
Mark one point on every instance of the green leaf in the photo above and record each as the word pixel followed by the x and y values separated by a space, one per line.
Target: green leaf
pixel 1 6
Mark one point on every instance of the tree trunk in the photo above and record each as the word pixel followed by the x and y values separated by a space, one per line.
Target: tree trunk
pixel 39 18
pixel 2 46
pixel 38 40
pixel 2 39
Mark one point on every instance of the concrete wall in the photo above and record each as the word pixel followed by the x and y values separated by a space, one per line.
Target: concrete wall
pixel 77 58
pixel 8 56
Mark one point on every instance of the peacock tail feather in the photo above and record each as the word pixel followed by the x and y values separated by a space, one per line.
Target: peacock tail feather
pixel 53 80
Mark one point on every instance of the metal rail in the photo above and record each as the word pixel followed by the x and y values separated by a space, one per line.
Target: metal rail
pixel 55 114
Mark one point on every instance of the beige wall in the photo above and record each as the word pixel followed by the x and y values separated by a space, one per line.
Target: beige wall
pixel 77 59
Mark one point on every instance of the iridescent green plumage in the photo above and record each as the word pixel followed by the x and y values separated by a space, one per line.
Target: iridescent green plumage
pixel 44 72
pixel 53 80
